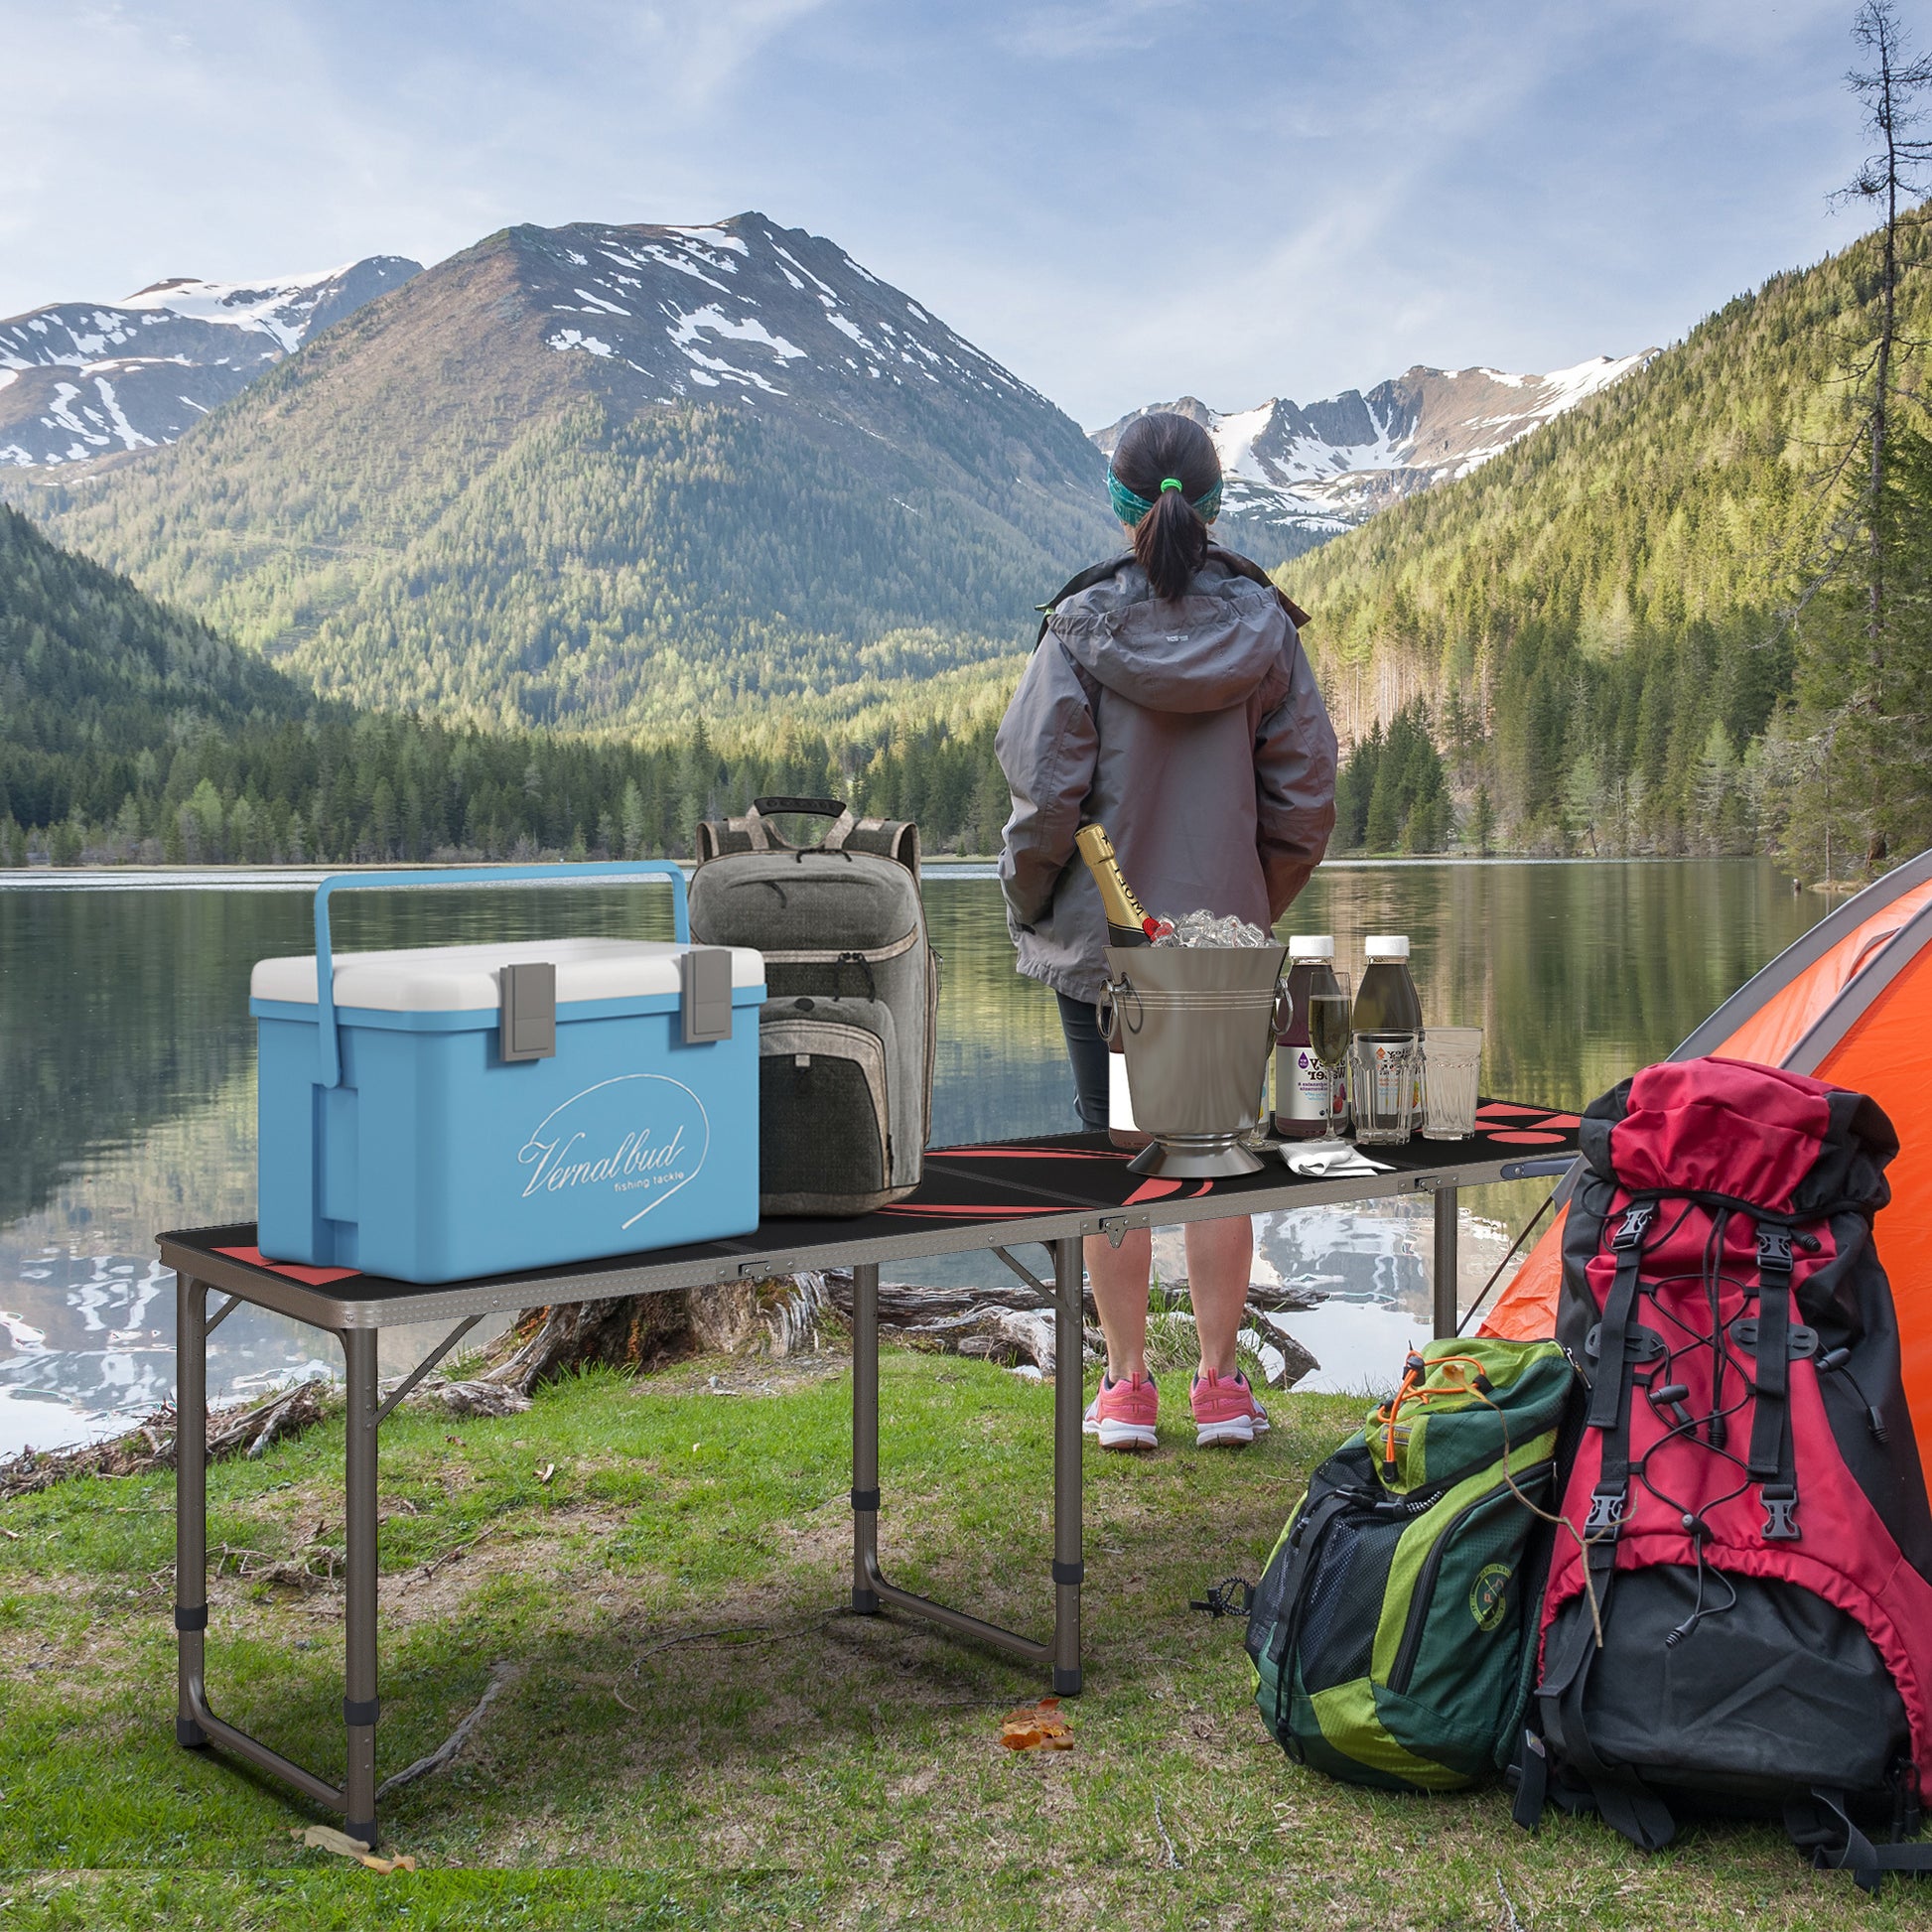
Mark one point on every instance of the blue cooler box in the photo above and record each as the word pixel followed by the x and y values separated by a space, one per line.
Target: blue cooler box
pixel 450 1111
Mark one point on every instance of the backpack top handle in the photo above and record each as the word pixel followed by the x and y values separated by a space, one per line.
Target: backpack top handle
pixel 764 839
pixel 884 838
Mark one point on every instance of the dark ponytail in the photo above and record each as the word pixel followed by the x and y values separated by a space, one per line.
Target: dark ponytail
pixel 1169 462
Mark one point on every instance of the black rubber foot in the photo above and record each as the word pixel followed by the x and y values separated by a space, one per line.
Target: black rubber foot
pixel 865 1603
pixel 189 1734
pixel 1067 1683
pixel 365 1832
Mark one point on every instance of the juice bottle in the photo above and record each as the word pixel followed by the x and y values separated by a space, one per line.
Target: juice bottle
pixel 1300 1090
pixel 1386 1007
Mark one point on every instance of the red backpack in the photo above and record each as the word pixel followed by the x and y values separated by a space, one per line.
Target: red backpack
pixel 1738 1617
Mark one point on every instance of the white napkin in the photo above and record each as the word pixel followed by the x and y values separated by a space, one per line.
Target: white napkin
pixel 1331 1163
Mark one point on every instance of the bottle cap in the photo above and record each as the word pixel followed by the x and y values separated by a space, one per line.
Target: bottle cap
pixel 1312 945
pixel 1386 945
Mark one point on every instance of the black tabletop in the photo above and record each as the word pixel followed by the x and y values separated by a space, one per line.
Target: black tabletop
pixel 971 1196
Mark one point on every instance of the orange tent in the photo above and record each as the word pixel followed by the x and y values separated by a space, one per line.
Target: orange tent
pixel 1850 1003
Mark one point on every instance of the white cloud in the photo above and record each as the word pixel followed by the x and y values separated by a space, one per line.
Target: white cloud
pixel 1118 199
pixel 1074 32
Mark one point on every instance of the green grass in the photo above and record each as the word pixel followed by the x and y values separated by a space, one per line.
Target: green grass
pixel 816 1770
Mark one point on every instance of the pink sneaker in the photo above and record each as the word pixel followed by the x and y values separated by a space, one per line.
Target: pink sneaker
pixel 1224 1407
pixel 1123 1414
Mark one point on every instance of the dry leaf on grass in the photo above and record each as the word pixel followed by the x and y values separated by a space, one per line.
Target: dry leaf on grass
pixel 1036 1728
pixel 325 1838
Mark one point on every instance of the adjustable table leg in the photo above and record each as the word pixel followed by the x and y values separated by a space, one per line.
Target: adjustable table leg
pixel 865 1438
pixel 1444 1283
pixel 190 1504
pixel 359 1606
pixel 872 1589
pixel 1070 1568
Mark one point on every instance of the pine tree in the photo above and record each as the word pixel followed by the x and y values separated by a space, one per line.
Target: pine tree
pixel 1482 821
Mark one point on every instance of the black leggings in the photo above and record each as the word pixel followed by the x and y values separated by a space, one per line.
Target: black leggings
pixel 1080 1023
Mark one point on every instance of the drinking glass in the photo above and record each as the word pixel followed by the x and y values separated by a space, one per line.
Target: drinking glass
pixel 1384 1094
pixel 1328 1044
pixel 1452 1059
pixel 1261 1136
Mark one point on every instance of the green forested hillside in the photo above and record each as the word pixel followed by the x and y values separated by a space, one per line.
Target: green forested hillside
pixel 596 573
pixel 95 679
pixel 446 504
pixel 1601 618
pixel 129 731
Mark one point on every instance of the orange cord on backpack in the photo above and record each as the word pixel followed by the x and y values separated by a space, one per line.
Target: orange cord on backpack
pixel 1415 1375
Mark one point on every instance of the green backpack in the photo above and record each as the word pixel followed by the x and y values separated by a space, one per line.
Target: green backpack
pixel 1394 1631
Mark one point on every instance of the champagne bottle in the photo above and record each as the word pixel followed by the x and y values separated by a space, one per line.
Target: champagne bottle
pixel 1129 923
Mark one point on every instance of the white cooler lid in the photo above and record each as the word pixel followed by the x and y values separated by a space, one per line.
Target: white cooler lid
pixel 463 979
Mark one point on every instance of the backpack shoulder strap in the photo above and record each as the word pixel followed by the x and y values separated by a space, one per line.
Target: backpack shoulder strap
pixel 718 837
pixel 1084 581
pixel 1100 573
pixel 1253 572
pixel 897 839
pixel 1822 1827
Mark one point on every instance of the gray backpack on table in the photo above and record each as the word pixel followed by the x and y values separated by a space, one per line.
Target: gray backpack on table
pixel 846 1037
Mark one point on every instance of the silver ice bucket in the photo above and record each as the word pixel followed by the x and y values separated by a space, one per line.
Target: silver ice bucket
pixel 1198 1024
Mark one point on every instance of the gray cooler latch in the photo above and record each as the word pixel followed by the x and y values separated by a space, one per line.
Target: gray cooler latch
pixel 527 1010
pixel 705 978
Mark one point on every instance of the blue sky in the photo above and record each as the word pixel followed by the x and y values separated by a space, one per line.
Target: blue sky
pixel 1122 201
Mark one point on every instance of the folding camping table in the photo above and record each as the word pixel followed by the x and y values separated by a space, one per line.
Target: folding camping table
pixel 1048 1191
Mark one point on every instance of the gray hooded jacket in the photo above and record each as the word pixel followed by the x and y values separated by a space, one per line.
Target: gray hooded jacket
pixel 1192 729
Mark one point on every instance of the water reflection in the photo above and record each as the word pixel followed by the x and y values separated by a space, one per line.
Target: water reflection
pixel 127 1079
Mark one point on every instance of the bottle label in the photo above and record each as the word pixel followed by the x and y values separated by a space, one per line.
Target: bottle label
pixel 1300 1096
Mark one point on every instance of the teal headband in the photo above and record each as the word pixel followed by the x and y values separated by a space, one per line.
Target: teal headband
pixel 1130 508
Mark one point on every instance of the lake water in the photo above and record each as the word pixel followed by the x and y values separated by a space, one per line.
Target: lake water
pixel 127 1079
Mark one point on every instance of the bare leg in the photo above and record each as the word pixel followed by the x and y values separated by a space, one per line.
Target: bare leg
pixel 1119 1278
pixel 1220 1257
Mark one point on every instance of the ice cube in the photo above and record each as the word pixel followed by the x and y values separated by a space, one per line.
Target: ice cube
pixel 1204 928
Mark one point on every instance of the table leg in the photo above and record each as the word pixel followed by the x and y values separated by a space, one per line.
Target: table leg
pixel 1070 1566
pixel 359 1603
pixel 191 1505
pixel 865 1438
pixel 1446 1314
pixel 872 1589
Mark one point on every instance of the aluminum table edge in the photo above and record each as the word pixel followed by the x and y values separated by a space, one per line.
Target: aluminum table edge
pixel 326 1307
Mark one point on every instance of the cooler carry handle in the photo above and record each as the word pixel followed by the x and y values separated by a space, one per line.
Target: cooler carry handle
pixel 332 1056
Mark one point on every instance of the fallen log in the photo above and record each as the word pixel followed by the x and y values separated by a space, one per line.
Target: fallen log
pixel 150 1444
pixel 1011 1323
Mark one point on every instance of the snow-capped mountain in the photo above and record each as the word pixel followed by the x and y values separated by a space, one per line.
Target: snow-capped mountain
pixel 80 382
pixel 616 474
pixel 746 312
pixel 1316 470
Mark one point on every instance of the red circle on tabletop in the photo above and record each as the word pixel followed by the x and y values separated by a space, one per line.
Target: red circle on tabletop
pixel 1520 1138
pixel 1506 1107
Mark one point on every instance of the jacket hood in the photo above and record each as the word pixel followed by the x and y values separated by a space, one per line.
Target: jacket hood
pixel 1204 651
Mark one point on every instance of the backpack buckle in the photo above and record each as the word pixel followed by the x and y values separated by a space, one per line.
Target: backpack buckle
pixel 1605 1518
pixel 1773 1249
pixel 1635 1220
pixel 1781 1500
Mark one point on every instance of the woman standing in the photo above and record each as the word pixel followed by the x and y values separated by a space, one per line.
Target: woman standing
pixel 1168 699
